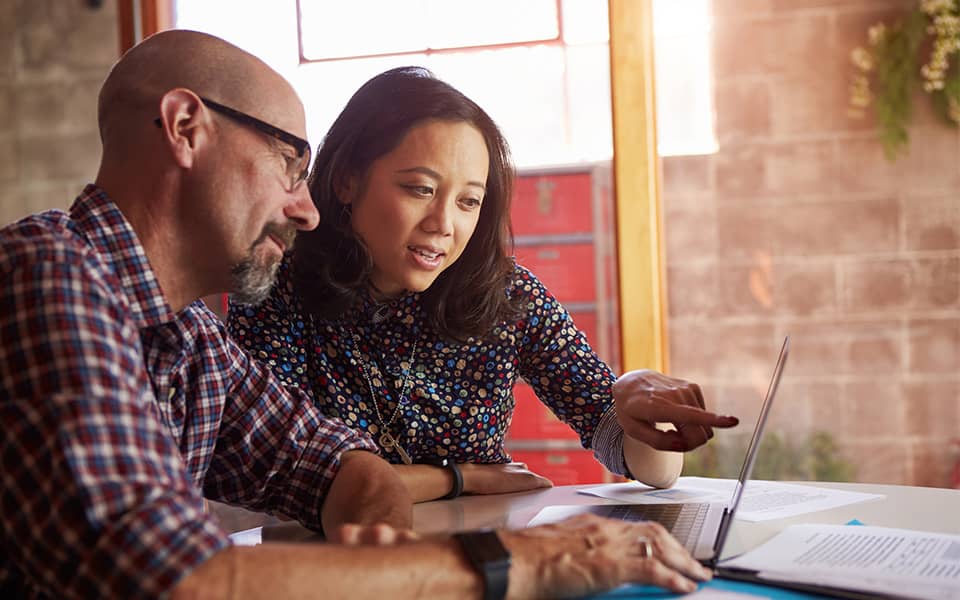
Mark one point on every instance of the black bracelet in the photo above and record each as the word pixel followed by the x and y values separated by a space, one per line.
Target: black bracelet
pixel 457 488
pixel 446 463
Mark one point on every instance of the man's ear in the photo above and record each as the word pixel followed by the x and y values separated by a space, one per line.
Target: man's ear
pixel 184 123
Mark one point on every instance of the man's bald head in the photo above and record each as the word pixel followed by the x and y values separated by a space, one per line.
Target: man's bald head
pixel 204 64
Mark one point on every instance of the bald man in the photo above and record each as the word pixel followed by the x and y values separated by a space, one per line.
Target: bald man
pixel 123 403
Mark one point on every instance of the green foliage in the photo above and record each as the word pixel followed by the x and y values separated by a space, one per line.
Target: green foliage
pixel 813 459
pixel 920 48
pixel 897 77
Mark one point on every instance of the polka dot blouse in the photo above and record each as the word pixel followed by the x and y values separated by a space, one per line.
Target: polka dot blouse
pixel 459 397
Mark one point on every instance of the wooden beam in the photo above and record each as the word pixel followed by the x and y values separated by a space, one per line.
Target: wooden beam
pixel 137 19
pixel 636 179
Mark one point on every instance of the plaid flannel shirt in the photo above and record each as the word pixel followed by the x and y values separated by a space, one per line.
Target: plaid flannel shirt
pixel 118 415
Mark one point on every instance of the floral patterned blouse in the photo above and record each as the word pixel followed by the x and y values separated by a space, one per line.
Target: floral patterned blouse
pixel 458 398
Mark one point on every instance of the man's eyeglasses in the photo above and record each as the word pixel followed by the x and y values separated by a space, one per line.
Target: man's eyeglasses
pixel 297 168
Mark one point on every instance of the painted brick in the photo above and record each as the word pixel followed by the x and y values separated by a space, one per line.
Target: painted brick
pixel 59 38
pixel 874 408
pixel 934 346
pixel 743 109
pixel 824 404
pixel 60 157
pixel 834 227
pixel 794 44
pixel 691 234
pixel 745 232
pixel 800 167
pixel 733 352
pixel 683 175
pixel 692 290
pixel 9 165
pixel 59 108
pixel 835 349
pixel 741 170
pixel 746 289
pixel 931 223
pixel 931 463
pixel 741 9
pixel 932 408
pixel 902 284
pixel 886 461
pixel 805 289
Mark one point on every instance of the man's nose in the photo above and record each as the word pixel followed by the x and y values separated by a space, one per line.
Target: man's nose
pixel 302 211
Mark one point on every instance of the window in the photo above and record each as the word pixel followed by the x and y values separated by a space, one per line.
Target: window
pixel 328 30
pixel 539 67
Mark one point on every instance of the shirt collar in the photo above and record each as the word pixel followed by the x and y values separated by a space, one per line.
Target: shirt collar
pixel 101 221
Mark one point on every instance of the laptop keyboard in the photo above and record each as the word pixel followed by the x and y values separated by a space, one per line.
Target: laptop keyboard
pixel 684 521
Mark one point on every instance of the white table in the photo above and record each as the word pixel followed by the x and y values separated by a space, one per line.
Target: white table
pixel 926 509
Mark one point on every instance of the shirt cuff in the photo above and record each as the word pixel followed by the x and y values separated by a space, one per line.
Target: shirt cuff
pixel 607 444
pixel 318 465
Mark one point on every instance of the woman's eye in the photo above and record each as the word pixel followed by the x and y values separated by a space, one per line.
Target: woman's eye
pixel 420 190
pixel 471 202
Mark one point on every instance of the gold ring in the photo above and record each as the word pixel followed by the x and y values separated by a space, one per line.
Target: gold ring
pixel 645 544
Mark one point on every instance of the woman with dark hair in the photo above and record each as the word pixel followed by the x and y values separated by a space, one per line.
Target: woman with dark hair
pixel 406 317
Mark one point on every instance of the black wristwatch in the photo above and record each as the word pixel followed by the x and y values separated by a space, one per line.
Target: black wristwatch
pixel 451 466
pixel 490 558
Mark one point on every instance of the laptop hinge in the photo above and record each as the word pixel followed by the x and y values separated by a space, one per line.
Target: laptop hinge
pixel 722 531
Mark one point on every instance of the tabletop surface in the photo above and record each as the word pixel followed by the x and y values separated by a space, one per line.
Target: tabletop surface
pixel 925 509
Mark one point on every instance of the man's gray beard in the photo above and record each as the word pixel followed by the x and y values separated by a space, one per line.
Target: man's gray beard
pixel 252 281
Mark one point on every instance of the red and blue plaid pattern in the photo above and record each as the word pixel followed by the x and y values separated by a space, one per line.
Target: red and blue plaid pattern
pixel 118 415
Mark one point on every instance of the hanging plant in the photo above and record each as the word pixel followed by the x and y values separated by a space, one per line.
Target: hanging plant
pixel 886 70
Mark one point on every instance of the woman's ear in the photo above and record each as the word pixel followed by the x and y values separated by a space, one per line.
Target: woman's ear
pixel 346 189
pixel 184 123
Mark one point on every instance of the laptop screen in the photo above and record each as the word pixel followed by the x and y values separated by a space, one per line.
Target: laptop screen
pixel 753 447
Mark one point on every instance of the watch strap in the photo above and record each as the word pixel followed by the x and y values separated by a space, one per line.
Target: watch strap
pixel 490 558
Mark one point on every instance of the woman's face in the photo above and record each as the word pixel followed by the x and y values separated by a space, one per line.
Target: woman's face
pixel 420 203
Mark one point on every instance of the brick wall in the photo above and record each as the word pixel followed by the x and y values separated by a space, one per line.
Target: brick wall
pixel 54 55
pixel 798 224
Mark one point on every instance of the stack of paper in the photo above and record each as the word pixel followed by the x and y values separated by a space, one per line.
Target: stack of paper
pixel 898 562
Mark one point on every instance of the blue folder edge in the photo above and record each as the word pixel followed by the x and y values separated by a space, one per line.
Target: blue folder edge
pixel 649 592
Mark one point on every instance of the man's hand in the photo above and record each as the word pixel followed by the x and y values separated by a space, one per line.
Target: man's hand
pixel 645 398
pixel 588 554
pixel 366 491
pixel 500 478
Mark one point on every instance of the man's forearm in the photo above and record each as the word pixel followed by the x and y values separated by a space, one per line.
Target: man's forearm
pixel 366 490
pixel 435 569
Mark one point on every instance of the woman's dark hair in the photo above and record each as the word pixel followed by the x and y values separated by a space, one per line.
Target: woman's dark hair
pixel 331 265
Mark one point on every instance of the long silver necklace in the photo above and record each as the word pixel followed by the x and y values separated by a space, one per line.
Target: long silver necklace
pixel 387 440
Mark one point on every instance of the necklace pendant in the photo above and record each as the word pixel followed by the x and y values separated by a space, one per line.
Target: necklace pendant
pixel 403 455
pixel 387 441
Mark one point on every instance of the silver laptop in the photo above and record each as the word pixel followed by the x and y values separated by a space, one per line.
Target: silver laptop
pixel 701 527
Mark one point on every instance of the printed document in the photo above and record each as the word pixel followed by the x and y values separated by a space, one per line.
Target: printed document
pixel 903 562
pixel 762 500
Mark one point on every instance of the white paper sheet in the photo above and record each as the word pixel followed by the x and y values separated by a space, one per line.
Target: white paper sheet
pixel 876 559
pixel 762 500
pixel 248 537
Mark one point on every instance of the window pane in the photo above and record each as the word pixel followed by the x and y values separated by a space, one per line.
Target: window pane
pixel 685 114
pixel 337 29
